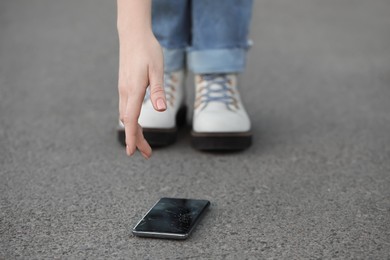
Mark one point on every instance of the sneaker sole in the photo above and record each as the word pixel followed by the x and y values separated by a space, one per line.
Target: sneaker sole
pixel 221 141
pixel 158 137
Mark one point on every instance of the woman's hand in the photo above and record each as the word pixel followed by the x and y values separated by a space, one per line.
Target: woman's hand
pixel 140 65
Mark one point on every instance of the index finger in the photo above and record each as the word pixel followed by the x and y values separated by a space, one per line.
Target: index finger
pixel 130 120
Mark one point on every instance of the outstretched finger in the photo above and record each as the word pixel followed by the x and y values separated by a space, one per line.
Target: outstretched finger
pixel 143 145
pixel 122 106
pixel 130 120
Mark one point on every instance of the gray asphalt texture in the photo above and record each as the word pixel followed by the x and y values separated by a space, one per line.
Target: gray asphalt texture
pixel 315 184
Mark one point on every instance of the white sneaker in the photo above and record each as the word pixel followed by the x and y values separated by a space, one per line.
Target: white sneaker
pixel 160 128
pixel 220 121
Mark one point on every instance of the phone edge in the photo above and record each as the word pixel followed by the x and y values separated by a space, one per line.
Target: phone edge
pixel 170 235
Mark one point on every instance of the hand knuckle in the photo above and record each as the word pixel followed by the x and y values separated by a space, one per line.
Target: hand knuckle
pixel 157 89
pixel 126 119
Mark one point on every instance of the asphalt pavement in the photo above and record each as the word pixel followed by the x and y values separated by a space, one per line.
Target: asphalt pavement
pixel 315 184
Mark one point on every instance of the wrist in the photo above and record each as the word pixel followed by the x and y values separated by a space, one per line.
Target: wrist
pixel 134 17
pixel 135 36
pixel 132 30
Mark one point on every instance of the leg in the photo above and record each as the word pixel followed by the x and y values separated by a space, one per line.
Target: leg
pixel 219 35
pixel 219 44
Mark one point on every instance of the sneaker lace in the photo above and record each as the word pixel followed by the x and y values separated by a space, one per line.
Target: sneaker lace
pixel 217 88
pixel 169 88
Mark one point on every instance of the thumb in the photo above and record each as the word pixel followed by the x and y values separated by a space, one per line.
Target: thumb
pixel 157 93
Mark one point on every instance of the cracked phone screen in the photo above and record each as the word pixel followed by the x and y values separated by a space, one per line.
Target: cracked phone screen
pixel 172 215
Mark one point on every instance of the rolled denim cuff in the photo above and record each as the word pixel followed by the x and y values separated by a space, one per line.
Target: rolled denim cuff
pixel 173 59
pixel 216 60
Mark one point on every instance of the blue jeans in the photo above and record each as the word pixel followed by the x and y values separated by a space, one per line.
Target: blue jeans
pixel 211 36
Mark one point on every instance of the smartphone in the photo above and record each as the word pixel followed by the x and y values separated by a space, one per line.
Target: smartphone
pixel 171 218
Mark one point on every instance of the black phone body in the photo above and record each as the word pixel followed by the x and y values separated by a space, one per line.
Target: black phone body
pixel 171 218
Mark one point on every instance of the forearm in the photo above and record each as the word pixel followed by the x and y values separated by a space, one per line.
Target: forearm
pixel 134 17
